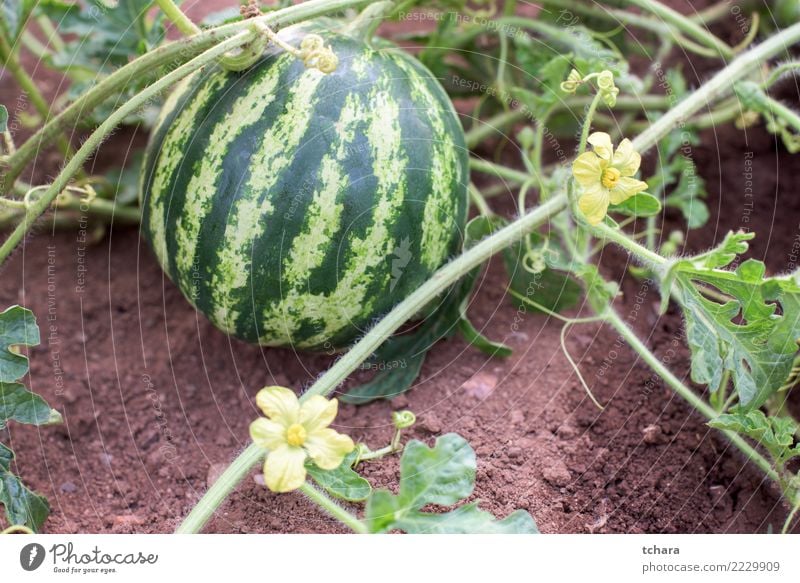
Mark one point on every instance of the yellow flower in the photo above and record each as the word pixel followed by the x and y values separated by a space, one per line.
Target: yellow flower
pixel 293 432
pixel 606 176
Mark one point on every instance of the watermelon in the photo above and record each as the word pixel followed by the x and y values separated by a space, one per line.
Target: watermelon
pixel 293 207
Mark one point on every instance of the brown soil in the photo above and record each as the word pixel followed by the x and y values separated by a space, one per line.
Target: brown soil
pixel 156 401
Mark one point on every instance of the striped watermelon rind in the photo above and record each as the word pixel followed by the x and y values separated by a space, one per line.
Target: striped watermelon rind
pixel 293 208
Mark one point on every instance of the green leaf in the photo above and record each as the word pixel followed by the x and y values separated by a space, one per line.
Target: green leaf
pixel 550 285
pixel 468 519
pixel 442 475
pixel 13 14
pixel 106 36
pixel 639 205
pixel 775 434
pixel 481 342
pixel 22 506
pixel 17 328
pixel 733 323
pixel 3 119
pixel 679 171
pixel 18 404
pixel 343 482
pixel 124 181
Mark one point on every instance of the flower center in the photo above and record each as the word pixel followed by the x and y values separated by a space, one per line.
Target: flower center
pixel 296 435
pixel 610 177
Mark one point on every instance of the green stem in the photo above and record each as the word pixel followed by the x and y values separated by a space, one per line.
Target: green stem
pixel 685 392
pixel 98 136
pixel 29 88
pixel 685 25
pixel 619 237
pixel 720 10
pixel 480 203
pixel 499 170
pixel 50 33
pixel 333 509
pixel 498 123
pixel 587 122
pixel 718 86
pixel 787 525
pixel 178 18
pixel 224 485
pixel 150 65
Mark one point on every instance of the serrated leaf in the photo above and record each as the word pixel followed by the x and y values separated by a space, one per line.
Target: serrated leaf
pixel 106 36
pixel 639 205
pixel 442 475
pixel 17 328
pixel 22 506
pixel 3 119
pixel 745 335
pixel 776 434
pixel 343 482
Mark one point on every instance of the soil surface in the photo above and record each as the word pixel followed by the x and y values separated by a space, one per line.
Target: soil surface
pixel 156 401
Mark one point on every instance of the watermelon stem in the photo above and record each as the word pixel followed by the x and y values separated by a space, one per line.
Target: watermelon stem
pixel 178 17
pixel 41 204
pixel 366 23
pixel 149 65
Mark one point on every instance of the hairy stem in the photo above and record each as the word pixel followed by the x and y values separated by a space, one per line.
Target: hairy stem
pixel 685 25
pixel 149 66
pixel 225 484
pixel 332 508
pixel 718 86
pixel 178 18
pixel 685 392
pixel 41 204
pixel 29 88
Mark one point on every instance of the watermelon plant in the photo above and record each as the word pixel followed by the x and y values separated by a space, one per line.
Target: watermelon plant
pixel 310 187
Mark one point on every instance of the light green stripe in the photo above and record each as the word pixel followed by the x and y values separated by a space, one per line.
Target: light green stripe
pixel 173 149
pixel 202 188
pixel 349 300
pixel 445 172
pixel 324 213
pixel 248 216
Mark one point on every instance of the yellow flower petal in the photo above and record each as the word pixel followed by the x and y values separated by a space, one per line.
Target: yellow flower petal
pixel 318 412
pixel 601 142
pixel 327 448
pixel 279 404
pixel 267 433
pixel 587 169
pixel 594 204
pixel 626 159
pixel 284 469
pixel 626 188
